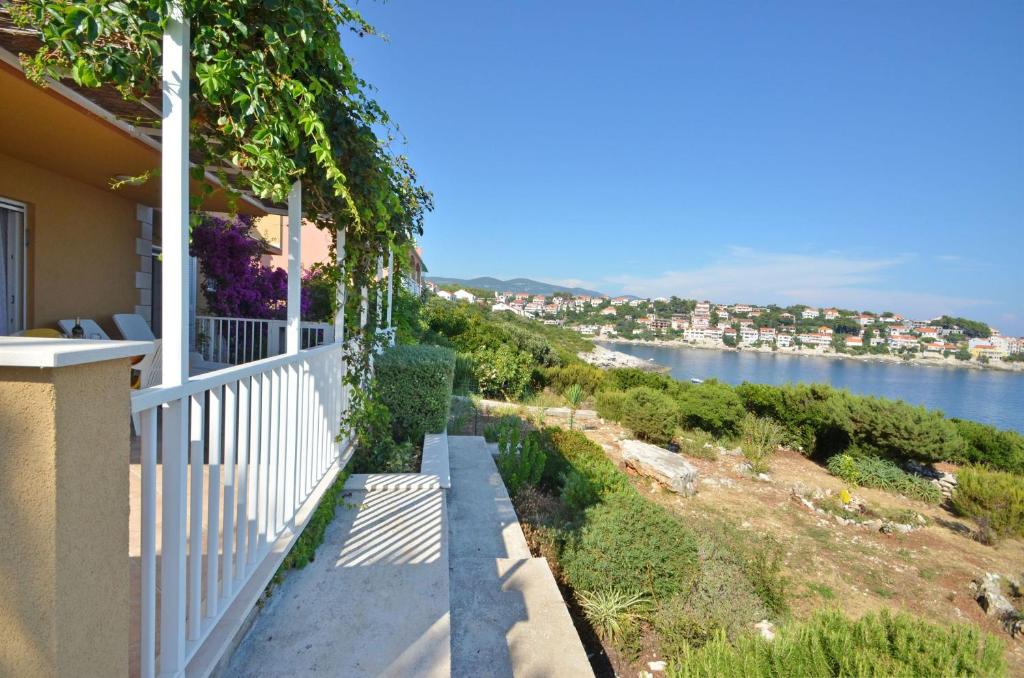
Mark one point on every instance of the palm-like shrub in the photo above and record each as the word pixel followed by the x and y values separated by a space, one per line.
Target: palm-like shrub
pixel 760 438
pixel 573 396
pixel 613 612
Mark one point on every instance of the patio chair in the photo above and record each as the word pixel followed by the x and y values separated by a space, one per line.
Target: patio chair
pixel 133 327
pixel 149 375
pixel 92 330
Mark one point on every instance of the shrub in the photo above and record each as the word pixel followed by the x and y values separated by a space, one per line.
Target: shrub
pixel 1001 450
pixel 625 378
pixel 578 491
pixel 415 384
pixel 869 471
pixel 711 406
pixel 376 450
pixel 573 398
pixel 590 378
pixel 761 399
pixel 760 437
pixel 503 372
pixel 493 430
pixel 651 415
pixel 612 613
pixel 829 644
pixel 573 451
pixel 816 418
pixel 609 405
pixel 520 459
pixel 894 429
pixel 994 499
pixel 629 543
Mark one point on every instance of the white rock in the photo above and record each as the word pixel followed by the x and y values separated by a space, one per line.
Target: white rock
pixel 764 476
pixel 667 468
pixel 766 629
pixel 659 665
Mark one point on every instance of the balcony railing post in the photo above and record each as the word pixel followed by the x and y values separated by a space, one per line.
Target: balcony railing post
pixel 339 314
pixel 391 287
pixel 294 268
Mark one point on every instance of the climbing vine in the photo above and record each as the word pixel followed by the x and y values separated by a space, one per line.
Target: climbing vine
pixel 274 98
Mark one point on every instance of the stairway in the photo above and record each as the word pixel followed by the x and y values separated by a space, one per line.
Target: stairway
pixel 507 614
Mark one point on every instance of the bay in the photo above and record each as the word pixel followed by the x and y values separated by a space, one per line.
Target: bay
pixel 988 396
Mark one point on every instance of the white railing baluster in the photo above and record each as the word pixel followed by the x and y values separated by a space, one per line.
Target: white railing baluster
pixel 213 421
pixel 195 529
pixel 242 473
pixel 230 451
pixel 147 607
pixel 266 436
pixel 291 444
pixel 274 486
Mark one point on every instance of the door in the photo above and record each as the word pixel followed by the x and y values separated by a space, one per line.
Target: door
pixel 12 266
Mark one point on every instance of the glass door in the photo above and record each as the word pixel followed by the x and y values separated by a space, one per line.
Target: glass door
pixel 12 266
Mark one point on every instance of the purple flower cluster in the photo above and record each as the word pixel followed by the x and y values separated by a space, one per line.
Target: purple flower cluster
pixel 238 284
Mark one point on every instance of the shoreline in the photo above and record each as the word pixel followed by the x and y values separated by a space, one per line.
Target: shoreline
pixel 813 353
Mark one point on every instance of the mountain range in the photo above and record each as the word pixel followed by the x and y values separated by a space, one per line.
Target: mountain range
pixel 514 285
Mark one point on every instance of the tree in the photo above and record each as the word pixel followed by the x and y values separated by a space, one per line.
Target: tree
pixel 971 328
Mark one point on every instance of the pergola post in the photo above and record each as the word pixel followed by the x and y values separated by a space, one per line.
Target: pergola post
pixel 339 292
pixel 364 307
pixel 174 178
pixel 377 294
pixel 391 286
pixel 294 268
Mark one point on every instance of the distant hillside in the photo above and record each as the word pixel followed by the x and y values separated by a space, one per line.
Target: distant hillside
pixel 513 285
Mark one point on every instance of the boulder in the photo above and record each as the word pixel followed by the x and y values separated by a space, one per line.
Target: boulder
pixel 667 468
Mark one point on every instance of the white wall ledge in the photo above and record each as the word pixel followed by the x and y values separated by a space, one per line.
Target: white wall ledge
pixel 43 352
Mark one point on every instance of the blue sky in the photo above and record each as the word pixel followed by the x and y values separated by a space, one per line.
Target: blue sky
pixel 862 154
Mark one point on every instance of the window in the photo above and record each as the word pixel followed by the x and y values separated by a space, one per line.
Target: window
pixel 12 266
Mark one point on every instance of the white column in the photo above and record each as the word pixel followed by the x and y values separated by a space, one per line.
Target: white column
pixel 339 315
pixel 294 268
pixel 174 166
pixel 364 308
pixel 379 298
pixel 174 175
pixel 391 285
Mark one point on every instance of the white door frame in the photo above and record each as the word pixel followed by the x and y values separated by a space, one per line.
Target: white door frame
pixel 21 250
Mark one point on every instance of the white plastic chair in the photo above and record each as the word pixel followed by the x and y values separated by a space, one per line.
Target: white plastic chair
pixel 133 327
pixel 149 375
pixel 89 326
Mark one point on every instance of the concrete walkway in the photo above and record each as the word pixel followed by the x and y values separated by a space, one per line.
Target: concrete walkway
pixel 373 603
pixel 508 616
pixel 413 582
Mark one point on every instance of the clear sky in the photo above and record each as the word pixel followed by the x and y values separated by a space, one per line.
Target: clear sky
pixel 867 155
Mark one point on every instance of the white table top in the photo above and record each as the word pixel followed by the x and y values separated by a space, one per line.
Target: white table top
pixel 43 352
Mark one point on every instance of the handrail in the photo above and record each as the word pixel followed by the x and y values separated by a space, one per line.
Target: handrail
pixel 158 395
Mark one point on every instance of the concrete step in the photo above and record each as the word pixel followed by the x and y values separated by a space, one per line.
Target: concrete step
pixel 508 616
pixel 375 602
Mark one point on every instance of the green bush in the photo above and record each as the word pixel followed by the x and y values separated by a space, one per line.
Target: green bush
pixel 493 430
pixel 609 405
pixel 629 543
pixel 896 430
pixel 994 499
pixel 503 372
pixel 415 384
pixel 828 644
pixel 573 451
pixel 376 450
pixel 520 459
pixel 579 492
pixel 561 378
pixel 651 415
pixel 696 443
pixel 869 471
pixel 761 399
pixel 712 406
pixel 464 382
pixel 625 378
pixel 760 438
pixel 1000 450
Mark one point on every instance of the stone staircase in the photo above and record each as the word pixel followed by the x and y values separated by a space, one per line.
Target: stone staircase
pixel 416 579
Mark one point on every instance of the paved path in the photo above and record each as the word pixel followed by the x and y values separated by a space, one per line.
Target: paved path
pixel 373 603
pixel 508 616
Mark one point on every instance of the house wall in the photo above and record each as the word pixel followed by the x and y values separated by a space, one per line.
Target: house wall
pixel 82 256
pixel 316 242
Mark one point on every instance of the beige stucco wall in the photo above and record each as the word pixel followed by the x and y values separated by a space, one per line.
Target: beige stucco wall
pixel 64 580
pixel 82 258
pixel 316 242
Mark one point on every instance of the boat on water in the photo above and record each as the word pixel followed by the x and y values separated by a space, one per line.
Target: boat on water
pixel 695 380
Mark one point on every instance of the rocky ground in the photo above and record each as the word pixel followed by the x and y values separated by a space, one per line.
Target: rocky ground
pixel 897 553
pixel 608 359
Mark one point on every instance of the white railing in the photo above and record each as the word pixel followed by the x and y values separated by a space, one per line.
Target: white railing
pixel 245 454
pixel 241 340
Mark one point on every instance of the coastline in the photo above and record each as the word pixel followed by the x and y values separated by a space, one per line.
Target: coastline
pixel 607 359
pixel 814 353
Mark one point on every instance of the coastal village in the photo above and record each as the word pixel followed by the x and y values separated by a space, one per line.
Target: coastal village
pixel 797 329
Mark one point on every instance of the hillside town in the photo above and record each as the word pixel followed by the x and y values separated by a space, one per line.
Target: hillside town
pixel 795 329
